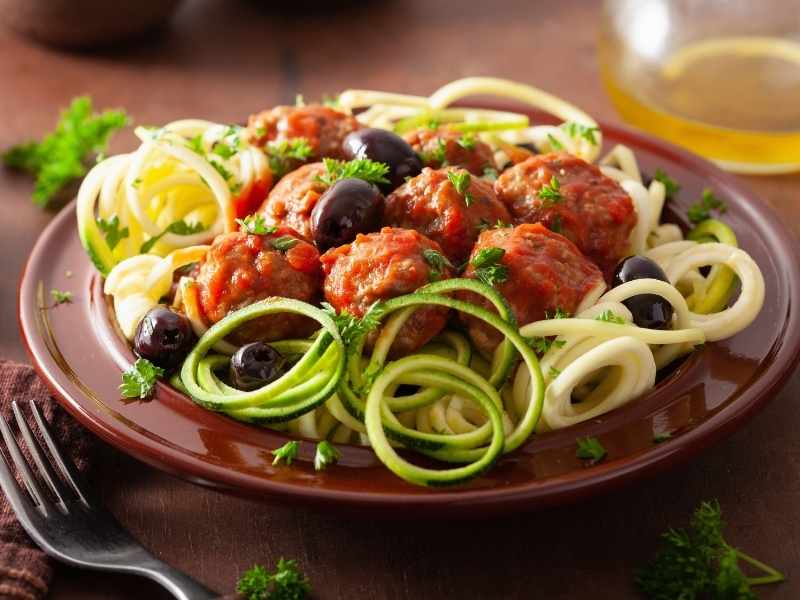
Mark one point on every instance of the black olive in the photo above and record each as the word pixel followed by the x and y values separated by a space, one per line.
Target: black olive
pixel 384 146
pixel 348 207
pixel 163 337
pixel 255 365
pixel 649 310
pixel 529 146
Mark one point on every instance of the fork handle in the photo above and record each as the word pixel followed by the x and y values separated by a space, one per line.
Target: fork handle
pixel 179 584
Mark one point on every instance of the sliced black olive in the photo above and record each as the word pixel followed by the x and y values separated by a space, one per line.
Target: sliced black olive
pixel 384 146
pixel 649 310
pixel 164 337
pixel 348 207
pixel 255 365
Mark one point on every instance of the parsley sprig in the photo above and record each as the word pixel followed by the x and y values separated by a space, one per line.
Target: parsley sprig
pixel 177 227
pixel 609 316
pixel 284 243
pixel 488 267
pixel 551 193
pixel 284 154
pixel 63 155
pixel 286 583
pixel 360 168
pixel 286 453
pixel 467 140
pixel 461 181
pixel 700 211
pixel 256 225
pixel 576 130
pixel 699 563
pixel 350 327
pixel 590 448
pixel 112 231
pixel 438 262
pixel 671 186
pixel 325 455
pixel 61 297
pixel 140 379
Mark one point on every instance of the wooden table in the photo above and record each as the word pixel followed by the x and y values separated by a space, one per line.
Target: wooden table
pixel 224 60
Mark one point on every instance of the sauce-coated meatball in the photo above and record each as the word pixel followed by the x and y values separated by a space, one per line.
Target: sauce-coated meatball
pixel 294 197
pixel 590 209
pixel 545 272
pixel 325 128
pixel 380 266
pixel 241 268
pixel 447 147
pixel 431 204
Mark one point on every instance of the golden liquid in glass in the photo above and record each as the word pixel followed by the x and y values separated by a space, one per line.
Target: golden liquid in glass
pixel 735 100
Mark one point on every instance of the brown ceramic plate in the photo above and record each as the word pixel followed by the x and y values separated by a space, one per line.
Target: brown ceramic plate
pixel 78 352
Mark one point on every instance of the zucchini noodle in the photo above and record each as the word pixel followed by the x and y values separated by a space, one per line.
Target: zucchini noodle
pixel 176 174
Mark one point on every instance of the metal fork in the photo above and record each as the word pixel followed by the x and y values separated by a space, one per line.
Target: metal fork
pixel 71 526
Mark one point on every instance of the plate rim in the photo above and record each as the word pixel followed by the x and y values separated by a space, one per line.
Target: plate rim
pixel 559 490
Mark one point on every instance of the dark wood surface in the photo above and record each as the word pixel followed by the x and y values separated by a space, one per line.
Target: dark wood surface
pixel 224 60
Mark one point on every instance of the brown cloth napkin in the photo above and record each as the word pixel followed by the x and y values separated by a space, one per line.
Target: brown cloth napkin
pixel 25 571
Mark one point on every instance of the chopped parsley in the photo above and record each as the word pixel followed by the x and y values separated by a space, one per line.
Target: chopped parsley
pixel 541 345
pixel 558 314
pixel 282 154
pixel 360 168
pixel 461 181
pixel 195 144
pixel 62 156
pixel 554 143
pixel 330 101
pixel 553 373
pixel 700 211
pixel 112 231
pixel 61 297
pixel 284 243
pixel 575 130
pixel 286 583
pixel 467 140
pixel 226 175
pixel 432 124
pixel 551 193
pixel 490 173
pixel 438 263
pixel 256 225
pixel 286 453
pixel 609 316
pixel 484 225
pixel 671 186
pixel 661 437
pixel 176 227
pixel 488 268
pixel 351 327
pixel 437 156
pixel 590 448
pixel 699 563
pixel 325 455
pixel 140 379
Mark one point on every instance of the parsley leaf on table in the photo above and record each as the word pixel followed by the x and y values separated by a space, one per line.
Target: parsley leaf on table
pixel 286 453
pixel 325 455
pixel 360 168
pixel 286 583
pixel 697 563
pixel 700 211
pixel 63 155
pixel 140 379
pixel 61 297
pixel 590 448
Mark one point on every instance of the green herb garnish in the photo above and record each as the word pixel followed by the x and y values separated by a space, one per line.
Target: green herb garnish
pixel 61 297
pixel 256 225
pixel 701 210
pixel 587 132
pixel 178 228
pixel 195 144
pixel 437 156
pixel 590 448
pixel 699 563
pixel 286 453
pixel 461 181
pixel 467 140
pixel 62 155
pixel 112 231
pixel 325 455
pixel 558 314
pixel 490 173
pixel 671 186
pixel 661 437
pixel 140 379
pixel 351 327
pixel 286 583
pixel 541 345
pixel 488 268
pixel 282 154
pixel 554 143
pixel 551 193
pixel 360 168
pixel 609 316
pixel 553 373
pixel 438 263
pixel 284 243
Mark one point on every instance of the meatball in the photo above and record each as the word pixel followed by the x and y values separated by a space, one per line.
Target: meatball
pixel 431 204
pixel 294 197
pixel 447 147
pixel 383 265
pixel 241 268
pixel 545 272
pixel 325 128
pixel 581 203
